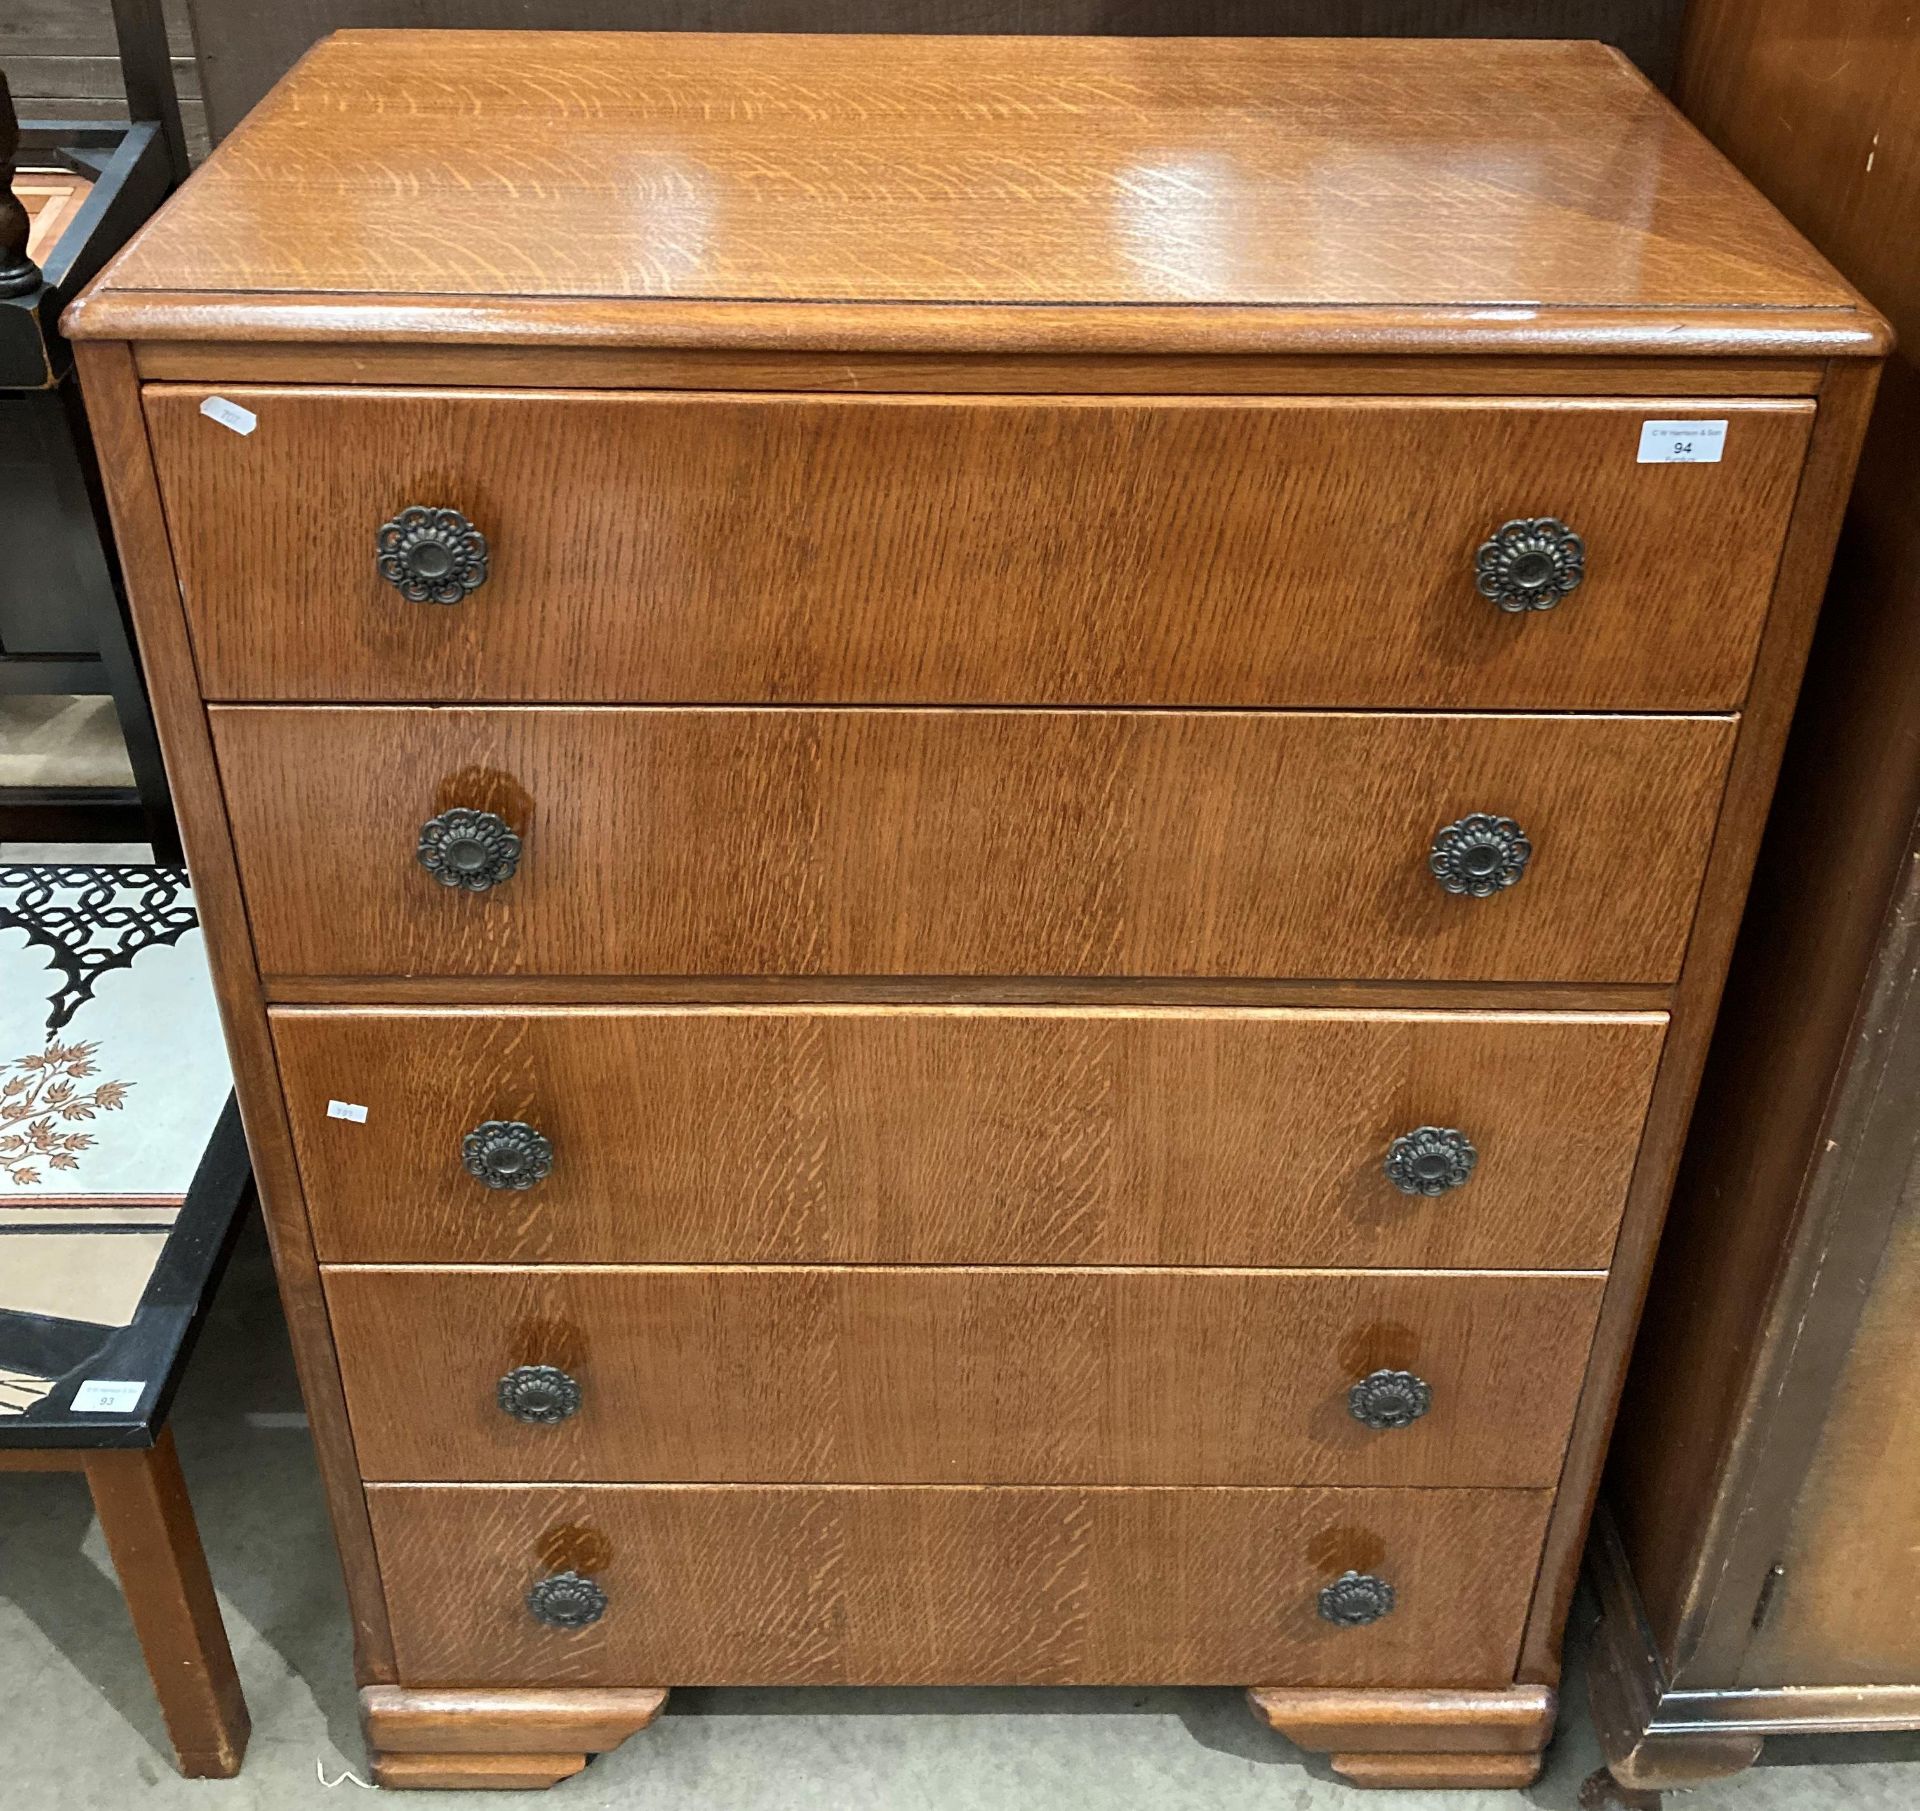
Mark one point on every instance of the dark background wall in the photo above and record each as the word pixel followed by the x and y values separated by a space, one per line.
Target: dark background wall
pixel 59 56
pixel 59 53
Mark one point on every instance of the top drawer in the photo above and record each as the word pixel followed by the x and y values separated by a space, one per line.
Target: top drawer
pixel 1093 551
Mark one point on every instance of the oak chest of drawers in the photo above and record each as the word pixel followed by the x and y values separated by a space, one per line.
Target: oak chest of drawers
pixel 970 809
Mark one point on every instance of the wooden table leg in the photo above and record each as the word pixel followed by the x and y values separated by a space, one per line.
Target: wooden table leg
pixel 142 1503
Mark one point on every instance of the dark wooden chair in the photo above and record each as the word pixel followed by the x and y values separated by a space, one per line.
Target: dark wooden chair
pixel 123 1176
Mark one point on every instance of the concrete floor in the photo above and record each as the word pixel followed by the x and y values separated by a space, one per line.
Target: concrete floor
pixel 79 1728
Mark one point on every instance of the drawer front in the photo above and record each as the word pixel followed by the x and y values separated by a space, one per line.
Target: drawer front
pixel 921 1376
pixel 802 1586
pixel 724 842
pixel 690 548
pixel 968 1135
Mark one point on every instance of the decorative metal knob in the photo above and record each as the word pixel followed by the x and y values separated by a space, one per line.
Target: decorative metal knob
pixel 567 1601
pixel 1355 1599
pixel 1530 564
pixel 507 1153
pixel 544 1395
pixel 1480 855
pixel 431 556
pixel 1430 1160
pixel 1384 1400
pixel 472 850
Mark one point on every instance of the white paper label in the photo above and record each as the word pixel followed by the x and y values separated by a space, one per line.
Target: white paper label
pixel 229 415
pixel 1682 442
pixel 98 1396
pixel 347 1109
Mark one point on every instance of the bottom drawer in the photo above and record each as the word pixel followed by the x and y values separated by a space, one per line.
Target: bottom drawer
pixel 950 1585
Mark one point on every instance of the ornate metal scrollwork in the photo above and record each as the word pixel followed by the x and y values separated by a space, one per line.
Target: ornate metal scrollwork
pixel 1479 855
pixel 1355 1599
pixel 1430 1160
pixel 1384 1400
pixel 543 1395
pixel 431 556
pixel 507 1153
pixel 1530 564
pixel 471 850
pixel 567 1600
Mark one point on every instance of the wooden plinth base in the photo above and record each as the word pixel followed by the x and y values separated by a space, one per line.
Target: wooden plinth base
pixel 474 1772
pixel 1436 1740
pixel 505 1740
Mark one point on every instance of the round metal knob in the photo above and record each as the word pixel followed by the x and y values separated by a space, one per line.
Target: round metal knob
pixel 1530 564
pixel 1479 855
pixel 471 850
pixel 507 1153
pixel 1383 1400
pixel 431 556
pixel 1355 1599
pixel 567 1601
pixel 542 1395
pixel 1430 1160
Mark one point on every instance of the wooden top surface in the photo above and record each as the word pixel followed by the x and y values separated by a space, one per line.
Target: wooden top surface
pixel 1248 194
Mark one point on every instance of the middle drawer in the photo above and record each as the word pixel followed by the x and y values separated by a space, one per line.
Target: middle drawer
pixel 983 1376
pixel 968 1135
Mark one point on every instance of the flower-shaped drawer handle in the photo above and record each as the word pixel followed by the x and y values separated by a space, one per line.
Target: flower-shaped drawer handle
pixel 431 556
pixel 507 1153
pixel 1530 564
pixel 1384 1400
pixel 471 850
pixel 1355 1599
pixel 542 1395
pixel 1430 1160
pixel 1479 855
pixel 567 1600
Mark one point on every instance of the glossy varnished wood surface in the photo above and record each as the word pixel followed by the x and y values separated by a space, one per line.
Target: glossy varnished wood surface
pixel 968 1135
pixel 619 174
pixel 953 842
pixel 1795 1153
pixel 739 1585
pixel 1845 404
pixel 972 550
pixel 113 410
pixel 877 1375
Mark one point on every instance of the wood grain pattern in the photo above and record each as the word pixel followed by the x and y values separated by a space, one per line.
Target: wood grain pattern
pixel 978 1376
pixel 490 1722
pixel 384 991
pixel 974 172
pixel 968 1135
pixel 473 1772
pixel 257 48
pixel 953 842
pixel 1798 1161
pixel 1517 1720
pixel 972 551
pixel 492 366
pixel 1845 406
pixel 732 1585
pixel 1397 1769
pixel 153 589
pixel 147 1519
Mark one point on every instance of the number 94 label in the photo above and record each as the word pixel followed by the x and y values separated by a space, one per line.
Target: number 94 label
pixel 1682 442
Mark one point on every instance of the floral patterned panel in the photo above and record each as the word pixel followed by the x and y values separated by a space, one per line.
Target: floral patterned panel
pixel 112 1076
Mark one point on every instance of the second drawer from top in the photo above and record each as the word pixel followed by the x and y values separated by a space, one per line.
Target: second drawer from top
pixel 620 842
pixel 420 545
